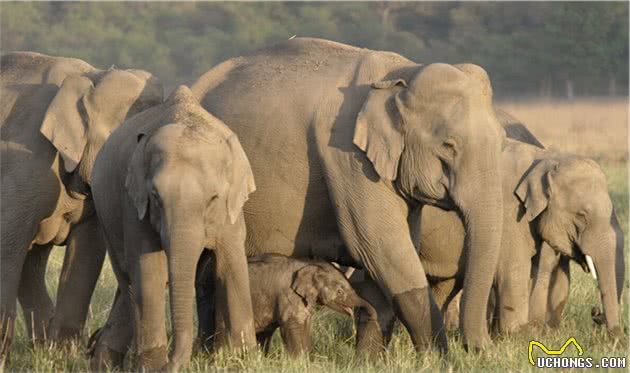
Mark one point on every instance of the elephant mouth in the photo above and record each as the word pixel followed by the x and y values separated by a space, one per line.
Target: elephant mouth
pixel 343 308
pixel 585 261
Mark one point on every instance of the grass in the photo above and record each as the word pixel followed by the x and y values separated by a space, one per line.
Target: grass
pixel 593 128
pixel 590 127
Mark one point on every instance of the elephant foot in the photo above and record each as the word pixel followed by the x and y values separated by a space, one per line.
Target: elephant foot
pixel 477 345
pixel 206 343
pixel 616 333
pixel 154 359
pixel 536 324
pixel 103 358
pixel 520 332
pixel 6 336
pixel 37 328
pixel 426 327
pixel 63 334
pixel 172 367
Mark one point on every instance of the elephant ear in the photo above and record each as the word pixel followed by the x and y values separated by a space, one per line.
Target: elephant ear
pixel 111 100
pixel 304 284
pixel 515 129
pixel 135 182
pixel 64 124
pixel 377 131
pixel 242 183
pixel 534 189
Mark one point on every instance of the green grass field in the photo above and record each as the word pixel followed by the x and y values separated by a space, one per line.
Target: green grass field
pixel 333 334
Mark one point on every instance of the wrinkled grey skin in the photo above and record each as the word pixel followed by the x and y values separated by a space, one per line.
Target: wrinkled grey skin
pixel 345 142
pixel 55 114
pixel 168 184
pixel 557 208
pixel 285 293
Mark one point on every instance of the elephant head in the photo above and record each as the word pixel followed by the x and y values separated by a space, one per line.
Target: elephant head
pixel 323 284
pixel 438 139
pixel 88 107
pixel 190 177
pixel 567 200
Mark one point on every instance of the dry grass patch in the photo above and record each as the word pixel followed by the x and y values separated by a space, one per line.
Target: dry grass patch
pixel 591 127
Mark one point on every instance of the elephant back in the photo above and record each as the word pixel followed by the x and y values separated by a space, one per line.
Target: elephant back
pixel 37 68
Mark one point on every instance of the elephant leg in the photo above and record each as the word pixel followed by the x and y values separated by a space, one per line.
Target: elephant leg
pixel 109 344
pixel 425 326
pixel 492 313
pixel 373 336
pixel 233 292
pixel 264 339
pixel 10 273
pixel 512 290
pixel 148 288
pixel 559 291
pixel 296 337
pixel 37 306
pixel 85 252
pixel 446 292
pixel 205 294
pixel 544 264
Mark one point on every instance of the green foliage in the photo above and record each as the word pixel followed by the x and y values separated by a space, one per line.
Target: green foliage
pixel 527 47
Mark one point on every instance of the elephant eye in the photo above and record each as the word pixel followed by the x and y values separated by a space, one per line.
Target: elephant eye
pixel 582 219
pixel 450 147
pixel 212 199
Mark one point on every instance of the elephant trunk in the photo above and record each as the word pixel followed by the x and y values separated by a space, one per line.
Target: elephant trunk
pixel 482 211
pixel 183 253
pixel 607 255
pixel 357 302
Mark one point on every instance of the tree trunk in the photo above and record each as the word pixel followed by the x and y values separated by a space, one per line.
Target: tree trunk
pixel 569 89
pixel 612 86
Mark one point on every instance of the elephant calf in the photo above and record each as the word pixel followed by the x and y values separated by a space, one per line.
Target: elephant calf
pixel 285 292
pixel 170 183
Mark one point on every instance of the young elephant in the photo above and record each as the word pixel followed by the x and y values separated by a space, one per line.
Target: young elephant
pixel 285 292
pixel 169 183
pixel 556 205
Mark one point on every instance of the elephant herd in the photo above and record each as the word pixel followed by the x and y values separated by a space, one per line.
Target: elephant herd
pixel 241 189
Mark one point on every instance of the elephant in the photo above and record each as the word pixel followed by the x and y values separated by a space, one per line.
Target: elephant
pixel 285 292
pixel 168 184
pixel 55 114
pixel 557 208
pixel 345 142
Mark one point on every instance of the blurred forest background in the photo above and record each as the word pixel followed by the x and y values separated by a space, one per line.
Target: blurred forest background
pixel 549 49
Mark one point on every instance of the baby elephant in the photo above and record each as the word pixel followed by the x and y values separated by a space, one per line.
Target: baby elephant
pixel 285 292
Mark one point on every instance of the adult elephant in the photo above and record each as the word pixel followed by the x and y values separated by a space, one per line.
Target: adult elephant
pixel 55 114
pixel 557 207
pixel 345 142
